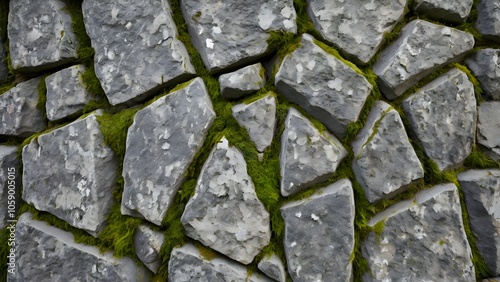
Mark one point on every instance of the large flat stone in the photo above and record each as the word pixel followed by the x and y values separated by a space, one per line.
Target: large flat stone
pixel 147 245
pixel 488 19
pixel 452 11
pixel 488 128
pixel 9 183
pixel 485 65
pixel 242 82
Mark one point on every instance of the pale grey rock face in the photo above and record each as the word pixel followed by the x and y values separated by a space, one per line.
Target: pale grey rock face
pixel 481 189
pixel 40 36
pixel 421 48
pixel 453 11
pixel 137 50
pixel 307 155
pixel 225 213
pixel 325 87
pixel 242 82
pixel 66 93
pixel 488 19
pixel 147 244
pixel 234 34
pixel 356 27
pixel 443 115
pixel 9 181
pixel 486 67
pixel 70 173
pixel 19 114
pixel 161 144
pixel 421 240
pixel 259 119
pixel 384 160
pixel 319 234
pixel 4 71
pixel 273 267
pixel 488 133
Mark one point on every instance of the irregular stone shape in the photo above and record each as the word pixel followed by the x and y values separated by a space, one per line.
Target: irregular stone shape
pixel 486 67
pixel 356 27
pixel 46 253
pixel 453 11
pixel 319 234
pixel 259 119
pixel 324 86
pixel 421 48
pixel 225 213
pixel 4 70
pixel 187 264
pixel 307 155
pixel 481 190
pixel 161 144
pixel 443 115
pixel 40 36
pixel 497 279
pixel 488 19
pixel 66 93
pixel 273 267
pixel 385 161
pixel 9 183
pixel 488 126
pixel 242 82
pixel 70 172
pixel 137 50
pixel 422 239
pixel 233 35
pixel 147 244
pixel 18 110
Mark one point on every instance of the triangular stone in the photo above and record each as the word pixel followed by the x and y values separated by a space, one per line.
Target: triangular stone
pixel 273 267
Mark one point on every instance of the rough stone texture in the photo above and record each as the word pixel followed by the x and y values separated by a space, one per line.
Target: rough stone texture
pixel 486 67
pixel 4 71
pixel 488 19
pixel 384 159
pixel 66 93
pixel 71 173
pixel 19 114
pixel 161 144
pixel 45 253
pixel 488 133
pixel 319 234
pixel 225 213
pixel 187 264
pixel 242 82
pixel 481 189
pixel 421 48
pixel 147 244
pixel 497 279
pixel 137 50
pixel 453 11
pixel 321 84
pixel 443 116
pixel 230 35
pixel 9 175
pixel 259 119
pixel 273 267
pixel 356 27
pixel 40 36
pixel 420 240
pixel 307 156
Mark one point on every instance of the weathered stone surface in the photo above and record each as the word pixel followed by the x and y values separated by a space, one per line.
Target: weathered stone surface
pixel 453 11
pixel 273 267
pixel 233 34
pixel 356 27
pixel 242 82
pixel 321 84
pixel 40 36
pixel 384 159
pixel 71 173
pixel 187 264
pixel 421 48
pixel 319 234
pixel 481 189
pixel 259 119
pixel 18 110
pixel 9 175
pixel 4 71
pixel 307 155
pixel 66 93
pixel 497 279
pixel 488 19
pixel 137 50
pixel 147 244
pixel 486 67
pixel 443 115
pixel 488 133
pixel 420 240
pixel 161 144
pixel 225 213
pixel 45 253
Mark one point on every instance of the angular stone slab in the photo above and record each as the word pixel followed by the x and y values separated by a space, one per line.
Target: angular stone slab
pixel 452 11
pixel 321 84
pixel 161 144
pixel 488 128
pixel 443 115
pixel 307 155
pixel 4 70
pixel 421 48
pixel 319 234
pixel 259 119
pixel 9 175
pixel 384 162
pixel 137 50
pixel 46 253
pixel 420 240
pixel 273 267
pixel 488 19
pixel 147 244
pixel 242 82
pixel 225 213
pixel 481 189
pixel 40 36
pixel 19 115
pixel 232 34
pixel 485 65
pixel 70 173
pixel 356 27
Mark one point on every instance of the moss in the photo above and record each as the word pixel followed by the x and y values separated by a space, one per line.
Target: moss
pixel 478 159
pixel 42 96
pixel 378 228
pixel 84 50
pixel 283 42
pixel 478 91
pixel 206 253
pixel 332 51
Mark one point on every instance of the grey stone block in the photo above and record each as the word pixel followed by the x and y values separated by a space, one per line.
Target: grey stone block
pixel 488 19
pixel 147 245
pixel 452 11
pixel 485 65
pixel 488 128
pixel 242 82
pixel 273 267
